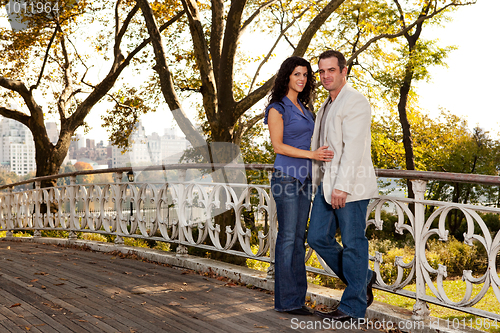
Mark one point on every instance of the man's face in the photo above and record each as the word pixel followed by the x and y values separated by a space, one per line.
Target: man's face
pixel 331 76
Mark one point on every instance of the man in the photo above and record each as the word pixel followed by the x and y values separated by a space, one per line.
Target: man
pixel 344 187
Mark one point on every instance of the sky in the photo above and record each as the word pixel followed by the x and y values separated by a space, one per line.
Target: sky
pixel 468 87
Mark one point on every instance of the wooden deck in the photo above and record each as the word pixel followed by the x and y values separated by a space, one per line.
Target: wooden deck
pixel 48 288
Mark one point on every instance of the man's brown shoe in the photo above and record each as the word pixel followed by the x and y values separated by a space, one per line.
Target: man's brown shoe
pixel 369 290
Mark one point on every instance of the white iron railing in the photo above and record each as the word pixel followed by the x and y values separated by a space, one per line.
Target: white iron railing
pixel 184 212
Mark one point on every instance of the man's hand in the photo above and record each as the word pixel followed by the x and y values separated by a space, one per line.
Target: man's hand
pixel 338 199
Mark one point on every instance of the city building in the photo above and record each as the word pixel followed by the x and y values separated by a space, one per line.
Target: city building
pixel 52 131
pixel 17 149
pixel 150 149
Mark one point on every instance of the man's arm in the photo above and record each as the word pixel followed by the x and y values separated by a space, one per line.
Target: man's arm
pixel 356 143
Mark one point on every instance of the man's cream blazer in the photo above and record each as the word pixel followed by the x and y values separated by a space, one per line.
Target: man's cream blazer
pixel 347 131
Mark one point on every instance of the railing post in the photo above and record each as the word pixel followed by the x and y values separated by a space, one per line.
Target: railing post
pixel 118 179
pixel 420 309
pixel 181 249
pixel 10 221
pixel 273 230
pixel 72 208
pixel 37 196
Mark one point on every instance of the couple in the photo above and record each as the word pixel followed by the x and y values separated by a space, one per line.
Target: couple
pixel 338 165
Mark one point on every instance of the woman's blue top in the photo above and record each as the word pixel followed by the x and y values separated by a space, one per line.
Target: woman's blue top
pixel 298 128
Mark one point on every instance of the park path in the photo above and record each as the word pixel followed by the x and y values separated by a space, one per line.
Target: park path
pixel 49 288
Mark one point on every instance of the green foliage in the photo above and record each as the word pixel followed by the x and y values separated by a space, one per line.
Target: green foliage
pixel 23 234
pixel 492 221
pixel 55 233
pixel 84 179
pixel 68 168
pixel 146 243
pixel 256 148
pixel 390 251
pixel 457 256
pixel 389 229
pixel 257 264
pixel 441 144
pixel 122 120
pixel 8 178
pixel 90 236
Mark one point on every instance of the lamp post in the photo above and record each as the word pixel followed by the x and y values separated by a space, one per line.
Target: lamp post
pixel 130 176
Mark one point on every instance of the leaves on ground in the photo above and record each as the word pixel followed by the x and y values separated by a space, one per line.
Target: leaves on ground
pixel 260 326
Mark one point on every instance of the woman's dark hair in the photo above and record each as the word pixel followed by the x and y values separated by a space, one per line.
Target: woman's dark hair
pixel 280 87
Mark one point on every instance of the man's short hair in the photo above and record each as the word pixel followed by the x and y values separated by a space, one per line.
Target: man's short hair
pixel 334 54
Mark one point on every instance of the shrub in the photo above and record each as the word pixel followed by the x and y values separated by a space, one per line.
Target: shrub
pixel 54 233
pixel 456 256
pixel 390 250
pixel 90 236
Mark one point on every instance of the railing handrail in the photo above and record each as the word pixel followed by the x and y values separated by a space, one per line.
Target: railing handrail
pixel 384 173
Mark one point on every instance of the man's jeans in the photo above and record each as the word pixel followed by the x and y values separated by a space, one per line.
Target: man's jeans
pixel 293 202
pixel 350 261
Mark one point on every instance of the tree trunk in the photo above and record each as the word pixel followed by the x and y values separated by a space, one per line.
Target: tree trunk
pixel 405 124
pixel 49 159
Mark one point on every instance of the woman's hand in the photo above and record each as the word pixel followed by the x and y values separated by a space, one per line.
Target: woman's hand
pixel 322 154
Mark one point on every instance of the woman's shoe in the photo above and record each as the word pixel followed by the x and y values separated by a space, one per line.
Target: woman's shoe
pixel 303 311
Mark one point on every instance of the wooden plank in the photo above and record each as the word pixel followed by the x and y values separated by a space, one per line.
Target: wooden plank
pixel 104 293
pixel 49 317
pixel 142 324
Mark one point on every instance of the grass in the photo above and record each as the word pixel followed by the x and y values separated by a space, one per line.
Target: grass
pixel 455 291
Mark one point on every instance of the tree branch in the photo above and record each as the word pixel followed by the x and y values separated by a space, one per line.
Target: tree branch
pixel 301 48
pixel 16 115
pixel 120 31
pixel 216 35
pixel 200 48
pixel 19 87
pixel 274 46
pixel 356 42
pixel 405 30
pixel 62 103
pixel 244 127
pixel 167 85
pixel 401 13
pixel 255 14
pixel 229 46
pixel 33 87
pixel 119 63
pixel 314 26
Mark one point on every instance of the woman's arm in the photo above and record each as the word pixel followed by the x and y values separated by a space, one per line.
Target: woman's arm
pixel 275 123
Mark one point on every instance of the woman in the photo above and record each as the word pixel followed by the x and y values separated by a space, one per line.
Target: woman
pixel 291 125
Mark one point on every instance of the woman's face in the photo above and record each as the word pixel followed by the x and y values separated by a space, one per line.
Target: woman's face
pixel 298 79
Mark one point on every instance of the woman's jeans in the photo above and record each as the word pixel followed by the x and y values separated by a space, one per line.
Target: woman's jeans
pixel 349 260
pixel 293 201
